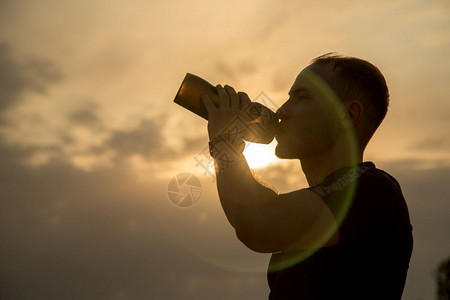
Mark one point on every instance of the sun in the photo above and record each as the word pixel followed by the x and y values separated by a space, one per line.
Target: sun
pixel 260 155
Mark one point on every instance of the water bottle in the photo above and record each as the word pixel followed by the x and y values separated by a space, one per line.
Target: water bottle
pixel 262 122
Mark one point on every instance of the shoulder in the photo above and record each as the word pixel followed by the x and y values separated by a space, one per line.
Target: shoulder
pixel 380 177
pixel 363 198
pixel 380 187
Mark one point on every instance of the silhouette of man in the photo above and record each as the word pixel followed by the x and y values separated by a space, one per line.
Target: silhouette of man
pixel 346 236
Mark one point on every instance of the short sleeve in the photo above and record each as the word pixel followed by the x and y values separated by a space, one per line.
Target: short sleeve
pixel 361 199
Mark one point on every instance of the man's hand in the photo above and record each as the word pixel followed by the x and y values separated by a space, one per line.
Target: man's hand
pixel 228 115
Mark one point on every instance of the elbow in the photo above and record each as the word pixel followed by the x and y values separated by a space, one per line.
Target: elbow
pixel 253 242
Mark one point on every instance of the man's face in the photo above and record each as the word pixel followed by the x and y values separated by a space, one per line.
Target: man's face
pixel 311 119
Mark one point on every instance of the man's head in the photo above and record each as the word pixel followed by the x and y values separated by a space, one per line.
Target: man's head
pixel 328 95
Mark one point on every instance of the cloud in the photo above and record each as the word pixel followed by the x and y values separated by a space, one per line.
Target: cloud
pixel 85 140
pixel 146 140
pixel 68 234
pixel 12 81
pixel 434 143
pixel 239 68
pixel 18 77
pixel 86 116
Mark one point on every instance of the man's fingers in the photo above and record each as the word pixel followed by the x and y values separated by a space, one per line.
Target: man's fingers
pixel 234 98
pixel 224 98
pixel 244 99
pixel 209 104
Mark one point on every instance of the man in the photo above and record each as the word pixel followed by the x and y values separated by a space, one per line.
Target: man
pixel 347 236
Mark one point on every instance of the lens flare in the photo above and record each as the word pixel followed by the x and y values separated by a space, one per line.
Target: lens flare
pixel 287 259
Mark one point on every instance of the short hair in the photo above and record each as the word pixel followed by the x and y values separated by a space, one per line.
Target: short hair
pixel 358 79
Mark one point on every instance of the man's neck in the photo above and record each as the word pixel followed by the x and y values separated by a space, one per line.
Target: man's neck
pixel 318 166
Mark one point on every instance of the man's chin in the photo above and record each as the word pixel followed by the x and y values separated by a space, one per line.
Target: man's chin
pixel 285 152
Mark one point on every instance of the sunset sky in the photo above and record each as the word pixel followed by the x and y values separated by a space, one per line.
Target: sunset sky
pixel 90 137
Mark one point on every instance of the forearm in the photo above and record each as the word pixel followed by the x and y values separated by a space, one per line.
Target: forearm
pixel 239 192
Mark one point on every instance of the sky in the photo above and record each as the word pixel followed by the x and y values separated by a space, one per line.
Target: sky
pixel 90 138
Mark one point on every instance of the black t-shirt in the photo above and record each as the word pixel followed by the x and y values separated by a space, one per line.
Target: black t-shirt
pixel 372 256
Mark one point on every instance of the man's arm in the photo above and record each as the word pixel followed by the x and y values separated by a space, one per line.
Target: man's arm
pixel 263 220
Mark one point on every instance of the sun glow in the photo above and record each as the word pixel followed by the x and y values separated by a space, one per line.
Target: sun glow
pixel 260 155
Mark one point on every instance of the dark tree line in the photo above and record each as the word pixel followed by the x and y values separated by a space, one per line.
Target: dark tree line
pixel 443 280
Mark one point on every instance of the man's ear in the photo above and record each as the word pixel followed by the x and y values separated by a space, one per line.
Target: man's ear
pixel 354 111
